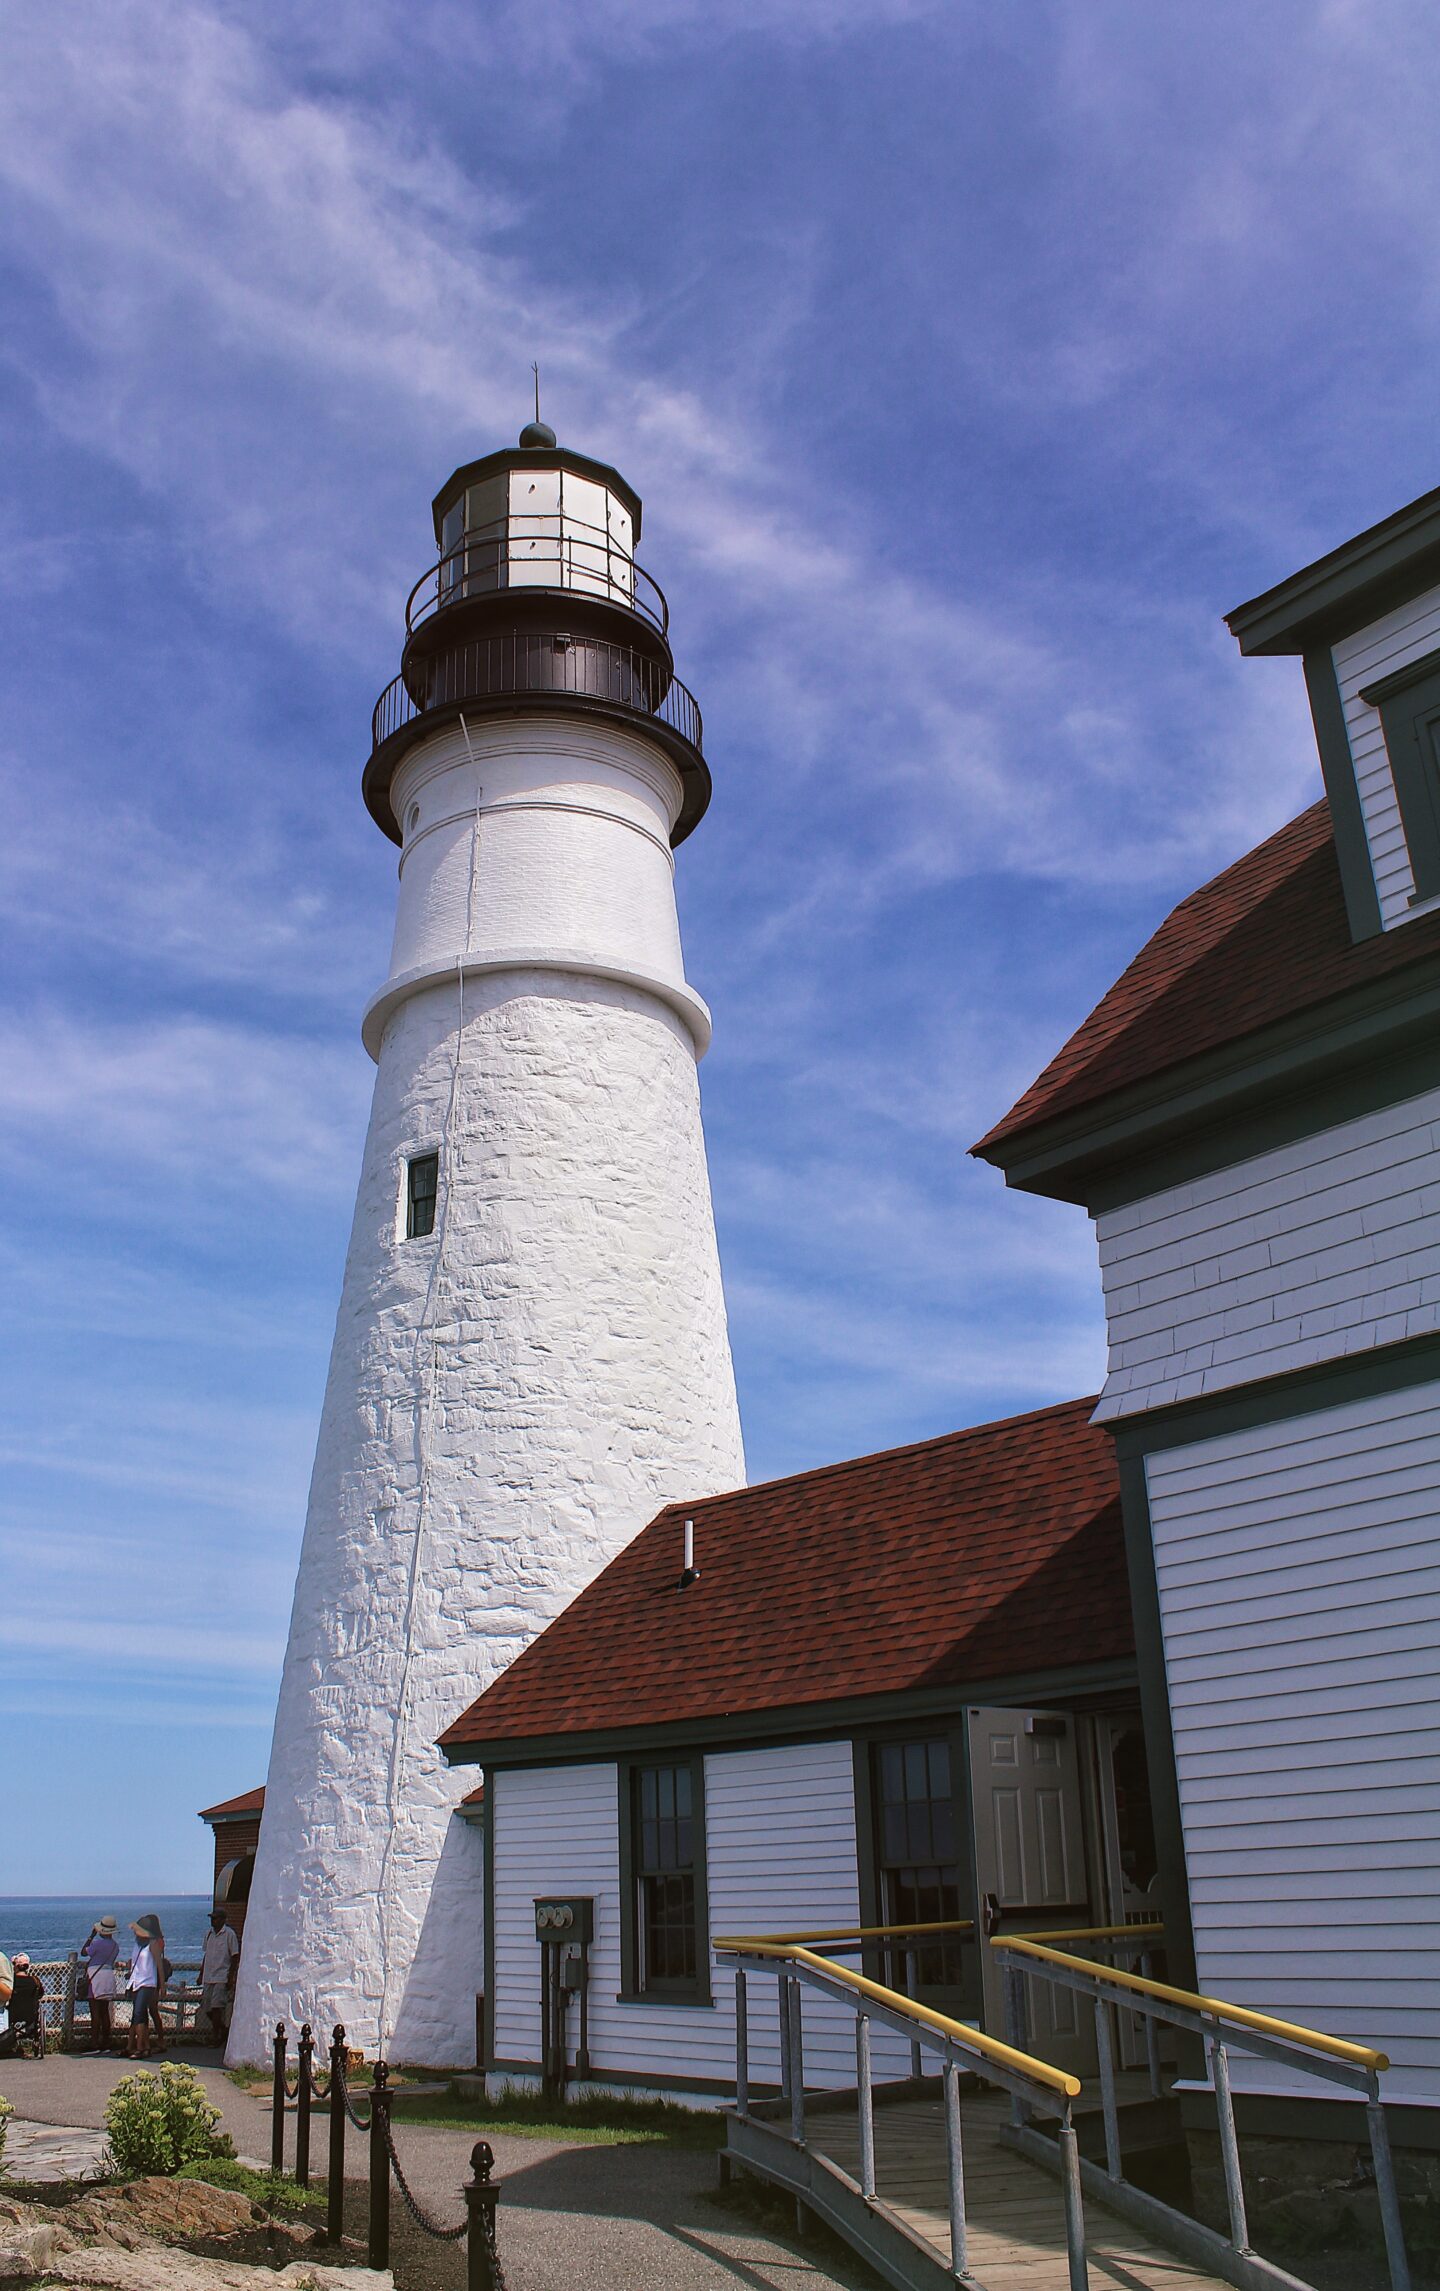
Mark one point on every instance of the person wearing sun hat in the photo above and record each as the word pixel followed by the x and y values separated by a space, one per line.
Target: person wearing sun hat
pixel 99 1956
pixel 147 1979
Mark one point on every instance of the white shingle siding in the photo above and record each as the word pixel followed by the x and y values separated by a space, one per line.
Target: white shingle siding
pixel 1299 1578
pixel 1320 1248
pixel 780 1847
pixel 1407 634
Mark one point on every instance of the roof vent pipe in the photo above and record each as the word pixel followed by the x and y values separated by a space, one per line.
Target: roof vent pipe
pixel 689 1572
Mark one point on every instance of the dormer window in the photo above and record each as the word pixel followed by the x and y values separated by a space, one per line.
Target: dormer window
pixel 1409 706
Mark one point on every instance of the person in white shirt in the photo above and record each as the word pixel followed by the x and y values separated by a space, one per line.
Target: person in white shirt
pixel 147 1978
pixel 217 1974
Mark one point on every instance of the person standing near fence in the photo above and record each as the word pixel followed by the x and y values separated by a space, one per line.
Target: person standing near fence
pixel 217 1974
pixel 100 1955
pixel 146 1983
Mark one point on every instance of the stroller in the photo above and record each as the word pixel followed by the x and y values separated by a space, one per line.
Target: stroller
pixel 24 2038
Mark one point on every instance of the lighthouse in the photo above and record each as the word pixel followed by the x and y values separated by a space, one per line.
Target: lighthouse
pixel 531 1353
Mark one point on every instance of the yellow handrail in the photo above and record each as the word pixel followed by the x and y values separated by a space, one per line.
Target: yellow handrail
pixel 854 1933
pixel 973 2040
pixel 1092 1933
pixel 1338 2047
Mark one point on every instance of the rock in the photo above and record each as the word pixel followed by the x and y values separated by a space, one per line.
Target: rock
pixel 28 2251
pixel 160 2270
pixel 306 2275
pixel 170 2211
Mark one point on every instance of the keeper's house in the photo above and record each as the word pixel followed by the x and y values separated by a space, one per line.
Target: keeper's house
pixel 888 1689
pixel 1252 1117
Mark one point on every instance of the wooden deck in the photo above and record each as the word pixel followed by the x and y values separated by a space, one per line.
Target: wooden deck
pixel 1014 2209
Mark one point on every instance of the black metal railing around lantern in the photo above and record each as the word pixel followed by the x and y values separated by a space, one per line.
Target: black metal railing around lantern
pixel 553 556
pixel 511 667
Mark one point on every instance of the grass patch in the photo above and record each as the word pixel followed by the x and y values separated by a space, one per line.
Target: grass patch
pixel 276 2193
pixel 596 2117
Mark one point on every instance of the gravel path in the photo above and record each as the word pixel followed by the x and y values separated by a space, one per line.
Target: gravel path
pixel 572 2217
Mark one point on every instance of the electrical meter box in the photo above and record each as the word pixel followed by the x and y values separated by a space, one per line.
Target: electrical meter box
pixel 569 1918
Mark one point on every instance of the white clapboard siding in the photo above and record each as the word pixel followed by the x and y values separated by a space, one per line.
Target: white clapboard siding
pixel 1326 1246
pixel 781 1854
pixel 1408 633
pixel 1307 1719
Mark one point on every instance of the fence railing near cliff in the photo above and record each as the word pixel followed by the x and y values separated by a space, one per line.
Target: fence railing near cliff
pixel 65 2012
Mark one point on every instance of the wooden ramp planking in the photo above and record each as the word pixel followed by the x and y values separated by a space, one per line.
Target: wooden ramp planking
pixel 1015 2213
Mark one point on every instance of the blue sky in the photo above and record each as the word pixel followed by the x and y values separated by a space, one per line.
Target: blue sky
pixel 971 363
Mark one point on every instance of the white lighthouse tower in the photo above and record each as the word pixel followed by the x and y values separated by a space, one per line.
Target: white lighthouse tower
pixel 531 1352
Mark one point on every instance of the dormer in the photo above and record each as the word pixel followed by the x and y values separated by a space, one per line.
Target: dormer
pixel 1366 622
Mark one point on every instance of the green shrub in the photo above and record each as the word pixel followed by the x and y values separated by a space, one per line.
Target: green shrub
pixel 6 2110
pixel 156 2125
pixel 267 2188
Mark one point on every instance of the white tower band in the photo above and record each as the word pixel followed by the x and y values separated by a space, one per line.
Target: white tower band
pixel 531 1353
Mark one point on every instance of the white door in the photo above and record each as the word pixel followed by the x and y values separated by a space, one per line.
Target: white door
pixel 1030 1862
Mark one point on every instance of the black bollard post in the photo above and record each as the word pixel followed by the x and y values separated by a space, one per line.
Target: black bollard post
pixel 480 2198
pixel 380 2168
pixel 306 2050
pixel 277 2103
pixel 335 2188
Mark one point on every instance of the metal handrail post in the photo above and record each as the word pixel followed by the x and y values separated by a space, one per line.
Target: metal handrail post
pixel 1386 2189
pixel 1015 2031
pixel 306 2050
pixel 277 2101
pixel 955 2163
pixel 865 2103
pixel 379 2256
pixel 1152 2027
pixel 797 2069
pixel 1105 2053
pixel 1074 2205
pixel 742 2046
pixel 1229 2144
pixel 912 1989
pixel 335 2165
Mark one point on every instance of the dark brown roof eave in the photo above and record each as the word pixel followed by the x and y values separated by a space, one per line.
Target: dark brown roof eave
pixel 789 1722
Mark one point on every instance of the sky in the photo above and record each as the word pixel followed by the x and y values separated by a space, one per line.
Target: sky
pixel 971 363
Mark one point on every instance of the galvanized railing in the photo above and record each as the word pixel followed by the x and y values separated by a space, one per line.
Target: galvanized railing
pixel 1222 2028
pixel 581 667
pixel 553 553
pixel 798 1962
pixel 62 2006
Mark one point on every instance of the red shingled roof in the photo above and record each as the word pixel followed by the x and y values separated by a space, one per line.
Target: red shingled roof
pixel 991 1551
pixel 249 1802
pixel 1263 941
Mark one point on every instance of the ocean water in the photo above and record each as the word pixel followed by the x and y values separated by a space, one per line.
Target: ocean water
pixel 48 1926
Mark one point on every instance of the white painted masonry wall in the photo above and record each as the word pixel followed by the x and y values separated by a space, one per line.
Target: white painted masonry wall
pixel 511 1399
pixel 1324 1247
pixel 781 1855
pixel 1299 1577
pixel 1408 633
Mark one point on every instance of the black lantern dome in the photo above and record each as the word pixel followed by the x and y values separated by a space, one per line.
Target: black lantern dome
pixel 537 602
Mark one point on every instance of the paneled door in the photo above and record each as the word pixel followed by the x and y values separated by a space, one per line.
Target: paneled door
pixel 1030 1862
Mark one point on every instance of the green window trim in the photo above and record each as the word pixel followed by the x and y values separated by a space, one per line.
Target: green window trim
pixel 950 1979
pixel 1409 706
pixel 646 1874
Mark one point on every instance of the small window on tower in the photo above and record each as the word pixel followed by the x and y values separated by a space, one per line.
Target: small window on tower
pixel 422 1183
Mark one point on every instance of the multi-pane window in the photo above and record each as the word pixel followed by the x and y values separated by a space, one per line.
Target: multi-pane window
pixel 665 1875
pixel 422 1184
pixel 919 1864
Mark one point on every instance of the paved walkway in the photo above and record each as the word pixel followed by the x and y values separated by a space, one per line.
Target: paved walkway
pixel 573 2217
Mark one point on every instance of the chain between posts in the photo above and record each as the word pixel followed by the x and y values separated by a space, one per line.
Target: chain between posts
pixel 485 2272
